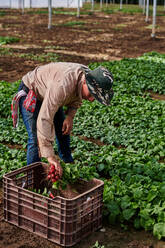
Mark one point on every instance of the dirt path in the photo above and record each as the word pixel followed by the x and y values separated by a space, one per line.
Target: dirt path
pixel 98 37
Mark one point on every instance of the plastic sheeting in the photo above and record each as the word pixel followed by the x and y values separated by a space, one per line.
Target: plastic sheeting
pixel 39 3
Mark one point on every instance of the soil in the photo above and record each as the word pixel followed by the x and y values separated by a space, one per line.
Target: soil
pixel 102 37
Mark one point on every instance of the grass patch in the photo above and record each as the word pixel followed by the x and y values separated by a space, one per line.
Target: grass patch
pixel 6 40
pixel 59 12
pixel 47 41
pixel 126 10
pixel 97 30
pixel 113 8
pixel 73 23
pixel 160 14
pixel 108 11
pixel 120 27
pixel 38 12
pixel 96 23
pixel 6 51
pixel 131 10
pixel 55 47
pixel 44 57
pixel 150 27
pixel 2 13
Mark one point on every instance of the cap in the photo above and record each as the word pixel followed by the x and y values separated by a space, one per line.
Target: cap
pixel 99 82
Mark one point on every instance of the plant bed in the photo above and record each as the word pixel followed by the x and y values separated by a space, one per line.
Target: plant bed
pixel 61 220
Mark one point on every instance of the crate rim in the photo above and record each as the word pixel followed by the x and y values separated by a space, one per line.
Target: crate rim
pixel 33 165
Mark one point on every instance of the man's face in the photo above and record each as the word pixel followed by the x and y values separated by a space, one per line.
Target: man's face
pixel 86 94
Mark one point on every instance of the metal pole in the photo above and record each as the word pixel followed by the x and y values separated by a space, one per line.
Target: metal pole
pixel 154 19
pixel 140 3
pixel 101 4
pixel 30 3
pixel 19 4
pixel 106 3
pixel 144 3
pixel 78 8
pixel 50 14
pixel 121 4
pixel 92 5
pixel 23 5
pixel 147 10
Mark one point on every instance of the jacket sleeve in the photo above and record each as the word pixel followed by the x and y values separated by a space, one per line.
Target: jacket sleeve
pixel 45 126
pixel 72 108
pixel 74 105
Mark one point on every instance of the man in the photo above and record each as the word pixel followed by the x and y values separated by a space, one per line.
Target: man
pixel 41 97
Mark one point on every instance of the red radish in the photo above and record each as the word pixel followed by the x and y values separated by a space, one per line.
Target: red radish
pixel 52 170
pixel 52 167
pixel 49 176
pixel 54 180
pixel 53 176
pixel 51 195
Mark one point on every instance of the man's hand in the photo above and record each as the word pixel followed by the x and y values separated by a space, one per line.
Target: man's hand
pixel 67 125
pixel 56 163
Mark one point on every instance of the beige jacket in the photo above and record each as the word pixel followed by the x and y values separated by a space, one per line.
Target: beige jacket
pixel 56 85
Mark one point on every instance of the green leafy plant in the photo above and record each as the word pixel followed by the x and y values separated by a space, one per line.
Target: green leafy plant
pixel 97 245
pixel 2 13
pixel 72 173
pixel 6 40
pixel 73 23
pixel 47 57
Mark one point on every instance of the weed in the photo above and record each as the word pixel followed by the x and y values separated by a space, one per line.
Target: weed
pixel 97 245
pixel 2 13
pixel 65 12
pixel 44 57
pixel 73 23
pixel 150 27
pixel 6 40
pixel 6 51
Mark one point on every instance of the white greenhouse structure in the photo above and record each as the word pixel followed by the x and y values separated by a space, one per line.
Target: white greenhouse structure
pixel 39 3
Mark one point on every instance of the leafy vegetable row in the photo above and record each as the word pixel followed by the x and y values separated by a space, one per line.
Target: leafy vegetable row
pixel 132 121
pixel 132 160
pixel 137 75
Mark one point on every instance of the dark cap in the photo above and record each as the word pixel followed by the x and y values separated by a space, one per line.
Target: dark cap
pixel 99 82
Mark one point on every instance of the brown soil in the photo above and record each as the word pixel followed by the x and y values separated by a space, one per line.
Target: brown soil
pixel 102 38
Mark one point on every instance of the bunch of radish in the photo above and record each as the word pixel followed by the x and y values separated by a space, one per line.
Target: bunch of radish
pixel 53 174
